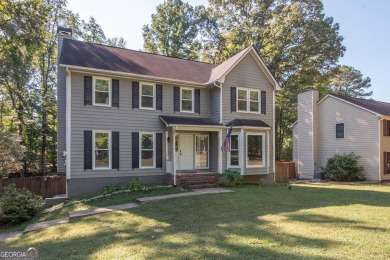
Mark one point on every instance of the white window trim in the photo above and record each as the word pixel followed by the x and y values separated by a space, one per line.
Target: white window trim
pixel 94 132
pixel 208 152
pixel 94 78
pixel 154 96
pixel 239 152
pixel 248 101
pixel 154 150
pixel 193 102
pixel 263 151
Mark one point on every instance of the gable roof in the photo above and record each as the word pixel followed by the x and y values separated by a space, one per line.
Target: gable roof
pixel 218 73
pixel 113 59
pixel 96 56
pixel 377 107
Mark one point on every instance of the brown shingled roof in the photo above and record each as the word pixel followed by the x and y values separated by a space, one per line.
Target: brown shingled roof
pixel 378 107
pixel 96 56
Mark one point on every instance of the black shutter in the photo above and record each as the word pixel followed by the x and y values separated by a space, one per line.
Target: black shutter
pixel 135 94
pixel 87 150
pixel 197 101
pixel 385 133
pixel 135 149
pixel 176 99
pixel 159 97
pixel 115 93
pixel 263 102
pixel 159 155
pixel 115 150
pixel 87 90
pixel 233 98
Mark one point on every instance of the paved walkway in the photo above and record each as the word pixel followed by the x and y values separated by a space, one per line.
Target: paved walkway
pixel 84 213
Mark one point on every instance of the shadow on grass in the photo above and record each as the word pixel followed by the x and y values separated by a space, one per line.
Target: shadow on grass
pixel 229 226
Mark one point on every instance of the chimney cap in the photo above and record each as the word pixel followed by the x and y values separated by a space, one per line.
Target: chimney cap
pixel 64 31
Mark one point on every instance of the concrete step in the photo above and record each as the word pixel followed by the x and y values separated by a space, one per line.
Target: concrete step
pixel 191 182
pixel 200 186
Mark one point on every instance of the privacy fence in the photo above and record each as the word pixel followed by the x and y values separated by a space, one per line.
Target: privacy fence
pixel 284 171
pixel 46 186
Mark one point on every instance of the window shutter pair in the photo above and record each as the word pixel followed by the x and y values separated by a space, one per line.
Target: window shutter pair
pixel 88 91
pixel 176 100
pixel 135 95
pixel 136 150
pixel 88 161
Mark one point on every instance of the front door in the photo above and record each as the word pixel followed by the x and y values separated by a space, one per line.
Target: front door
pixel 186 152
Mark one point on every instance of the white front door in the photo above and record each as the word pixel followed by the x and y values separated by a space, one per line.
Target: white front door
pixel 186 152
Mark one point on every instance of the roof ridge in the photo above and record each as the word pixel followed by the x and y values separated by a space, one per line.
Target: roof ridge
pixel 139 51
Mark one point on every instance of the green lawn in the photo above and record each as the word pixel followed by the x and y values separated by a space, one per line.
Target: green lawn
pixel 272 222
pixel 116 199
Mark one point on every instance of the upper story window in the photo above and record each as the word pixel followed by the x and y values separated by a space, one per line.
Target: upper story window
pixel 248 100
pixel 101 91
pixel 148 95
pixel 386 127
pixel 187 100
pixel 340 130
pixel 101 148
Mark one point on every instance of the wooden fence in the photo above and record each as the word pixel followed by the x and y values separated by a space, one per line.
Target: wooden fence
pixel 46 186
pixel 284 171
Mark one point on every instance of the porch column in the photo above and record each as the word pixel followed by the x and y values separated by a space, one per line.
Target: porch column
pixel 220 151
pixel 174 156
pixel 268 151
pixel 241 151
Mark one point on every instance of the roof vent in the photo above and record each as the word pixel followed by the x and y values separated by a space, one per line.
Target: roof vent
pixel 64 31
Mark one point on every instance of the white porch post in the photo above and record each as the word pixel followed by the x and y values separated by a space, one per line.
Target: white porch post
pixel 268 151
pixel 219 151
pixel 241 151
pixel 174 156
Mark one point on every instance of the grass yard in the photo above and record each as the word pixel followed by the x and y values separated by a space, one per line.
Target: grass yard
pixel 272 222
pixel 116 199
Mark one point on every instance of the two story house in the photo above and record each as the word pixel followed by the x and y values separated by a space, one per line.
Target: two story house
pixel 125 114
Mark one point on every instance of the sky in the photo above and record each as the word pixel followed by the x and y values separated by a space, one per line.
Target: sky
pixel 364 24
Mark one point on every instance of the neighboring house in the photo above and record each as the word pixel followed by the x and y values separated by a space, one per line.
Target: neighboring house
pixel 125 114
pixel 341 124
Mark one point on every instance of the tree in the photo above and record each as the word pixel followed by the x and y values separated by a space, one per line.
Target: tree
pixel 173 31
pixel 348 81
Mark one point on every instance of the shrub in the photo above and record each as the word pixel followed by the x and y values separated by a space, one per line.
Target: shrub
pixel 343 167
pixel 18 205
pixel 233 178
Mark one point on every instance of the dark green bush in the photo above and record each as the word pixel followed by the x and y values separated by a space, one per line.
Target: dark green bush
pixel 343 167
pixel 18 205
pixel 233 178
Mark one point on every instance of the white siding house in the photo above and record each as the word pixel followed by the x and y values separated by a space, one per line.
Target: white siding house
pixel 339 124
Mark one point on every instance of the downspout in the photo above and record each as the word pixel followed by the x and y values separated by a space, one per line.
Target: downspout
pixel 379 145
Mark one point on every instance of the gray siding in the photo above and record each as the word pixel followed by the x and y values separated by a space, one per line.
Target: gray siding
pixel 247 74
pixel 61 111
pixel 360 134
pixel 125 120
pixel 307 110
pixel 215 99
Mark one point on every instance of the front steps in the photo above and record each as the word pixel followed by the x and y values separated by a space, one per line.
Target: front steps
pixel 195 180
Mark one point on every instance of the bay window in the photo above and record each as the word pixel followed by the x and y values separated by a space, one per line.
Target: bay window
pixel 255 150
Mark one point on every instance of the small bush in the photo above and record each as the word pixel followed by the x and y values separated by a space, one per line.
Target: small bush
pixel 18 205
pixel 343 167
pixel 233 178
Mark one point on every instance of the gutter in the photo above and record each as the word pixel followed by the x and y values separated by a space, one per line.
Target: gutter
pixel 133 75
